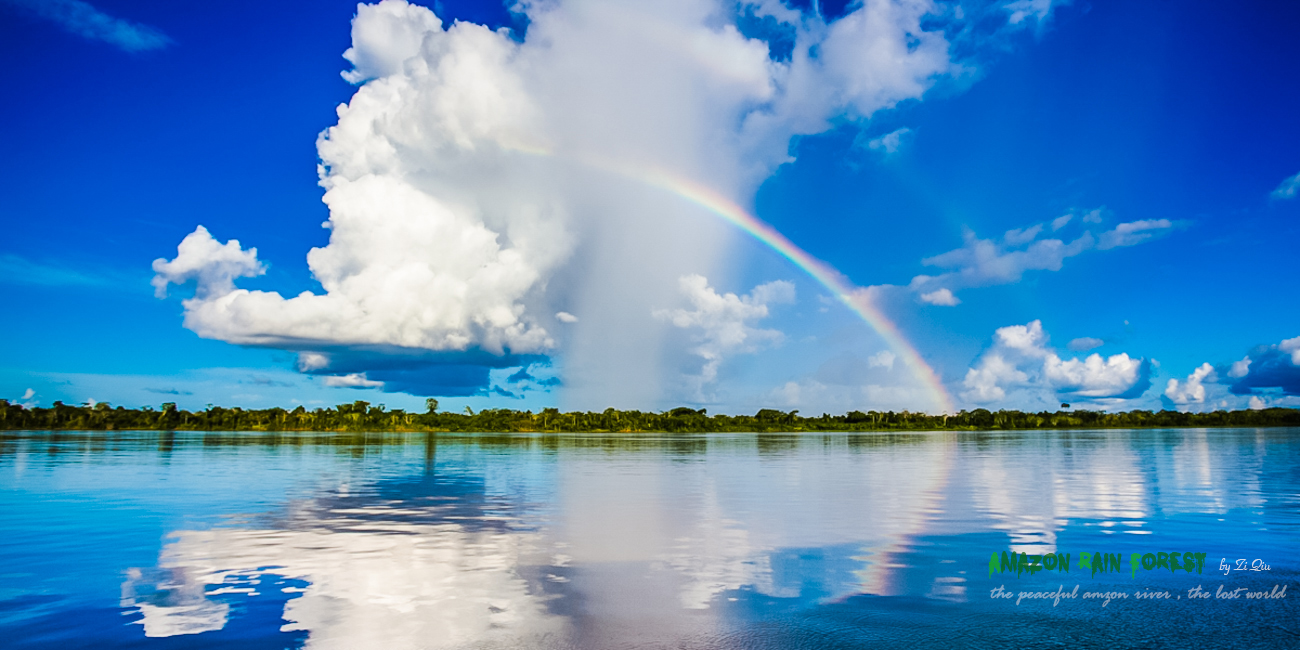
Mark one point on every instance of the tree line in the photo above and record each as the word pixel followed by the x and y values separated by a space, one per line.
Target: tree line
pixel 363 416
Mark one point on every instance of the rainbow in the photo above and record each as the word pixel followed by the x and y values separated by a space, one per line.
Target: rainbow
pixel 855 298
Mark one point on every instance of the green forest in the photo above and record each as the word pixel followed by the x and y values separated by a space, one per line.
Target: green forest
pixel 362 416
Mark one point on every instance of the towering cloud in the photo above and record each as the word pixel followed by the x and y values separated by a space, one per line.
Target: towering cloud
pixel 485 187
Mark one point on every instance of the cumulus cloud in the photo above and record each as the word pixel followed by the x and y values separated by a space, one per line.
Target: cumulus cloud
pixel 565 317
pixel 1085 343
pixel 213 265
pixel 1288 188
pixel 1192 390
pixel 1005 260
pixel 1268 368
pixel 1240 368
pixel 479 179
pixel 1020 359
pixel 723 323
pixel 86 21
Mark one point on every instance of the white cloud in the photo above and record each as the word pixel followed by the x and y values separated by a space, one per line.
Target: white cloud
pixel 1093 376
pixel 1288 188
pixel 565 317
pixel 981 262
pixel 1020 359
pixel 941 297
pixel 986 382
pixel 354 380
pixel 1256 404
pixel 1240 368
pixel 890 142
pixel 475 182
pixel 401 269
pixel 385 36
pixel 86 21
pixel 984 262
pixel 724 321
pixel 312 361
pixel 1133 232
pixel 1192 390
pixel 28 399
pixel 1085 343
pixel 1292 346
pixel 213 265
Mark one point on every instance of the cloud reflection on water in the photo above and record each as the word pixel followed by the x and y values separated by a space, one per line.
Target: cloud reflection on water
pixel 663 541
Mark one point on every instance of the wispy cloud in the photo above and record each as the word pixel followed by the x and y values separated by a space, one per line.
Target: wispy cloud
pixel 19 270
pixel 1004 260
pixel 84 20
pixel 1288 188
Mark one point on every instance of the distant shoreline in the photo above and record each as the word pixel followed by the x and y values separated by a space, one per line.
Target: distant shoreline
pixel 362 417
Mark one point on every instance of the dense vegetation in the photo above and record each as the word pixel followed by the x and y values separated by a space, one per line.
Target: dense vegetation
pixel 361 416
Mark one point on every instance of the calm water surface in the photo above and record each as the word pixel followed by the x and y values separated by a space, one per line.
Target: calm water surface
pixel 396 541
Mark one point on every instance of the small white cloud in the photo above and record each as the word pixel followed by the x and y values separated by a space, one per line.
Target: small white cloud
pixel 1240 368
pixel 890 142
pixel 1085 343
pixel 1093 216
pixel 354 380
pixel 1133 232
pixel 312 361
pixel 882 359
pixel 941 297
pixel 1191 391
pixel 1288 188
pixel 1060 222
pixel 1256 404
pixel 27 400
pixel 84 20
pixel 1018 236
pixel 565 317
pixel 214 265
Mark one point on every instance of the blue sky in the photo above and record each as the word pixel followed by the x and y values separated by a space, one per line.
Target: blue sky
pixel 1166 134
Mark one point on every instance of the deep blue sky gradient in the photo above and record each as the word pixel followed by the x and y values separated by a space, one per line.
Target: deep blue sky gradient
pixel 1155 110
